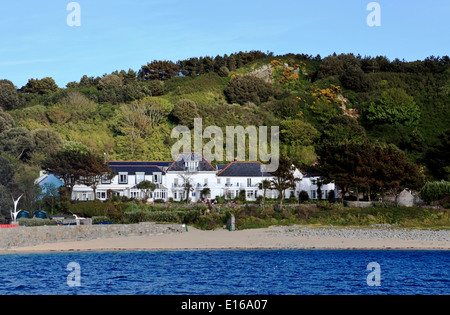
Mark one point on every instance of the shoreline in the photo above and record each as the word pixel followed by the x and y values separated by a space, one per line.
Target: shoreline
pixel 272 238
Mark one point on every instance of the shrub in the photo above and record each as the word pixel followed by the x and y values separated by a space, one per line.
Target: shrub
pixel 303 196
pixel 211 221
pixel 246 89
pixel 432 191
pixel 36 222
pixel 9 99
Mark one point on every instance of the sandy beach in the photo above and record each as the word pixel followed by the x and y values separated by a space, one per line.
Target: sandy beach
pixel 293 237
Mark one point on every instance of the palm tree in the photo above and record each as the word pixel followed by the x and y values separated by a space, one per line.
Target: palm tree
pixel 264 186
pixel 205 192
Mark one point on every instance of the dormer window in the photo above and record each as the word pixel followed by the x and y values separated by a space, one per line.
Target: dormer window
pixel 140 177
pixel 191 166
pixel 123 178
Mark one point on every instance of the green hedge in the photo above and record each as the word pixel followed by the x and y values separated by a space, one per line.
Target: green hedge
pixel 169 216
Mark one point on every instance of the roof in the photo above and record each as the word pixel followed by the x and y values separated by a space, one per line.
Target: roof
pixel 247 169
pixel 220 167
pixel 179 164
pixel 161 164
pixel 133 168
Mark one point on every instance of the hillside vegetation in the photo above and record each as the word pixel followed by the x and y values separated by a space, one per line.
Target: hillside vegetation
pixel 317 102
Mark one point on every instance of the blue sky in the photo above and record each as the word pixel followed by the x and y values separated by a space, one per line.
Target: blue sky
pixel 35 40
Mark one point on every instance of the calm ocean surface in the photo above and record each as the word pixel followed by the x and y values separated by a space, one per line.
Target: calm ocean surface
pixel 227 272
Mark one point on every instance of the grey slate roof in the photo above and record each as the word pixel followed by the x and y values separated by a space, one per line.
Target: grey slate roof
pixel 135 167
pixel 247 169
pixel 179 164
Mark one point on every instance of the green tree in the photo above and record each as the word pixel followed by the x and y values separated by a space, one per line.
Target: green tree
pixel 6 121
pixel 264 186
pixel 42 86
pixel 47 140
pixel 17 142
pixel 68 164
pixel 92 169
pixel 342 128
pixel 283 177
pixel 159 70
pixel 436 190
pixel 298 132
pixel 7 171
pixel 244 89
pixel 438 157
pixel 148 187
pixel 110 81
pixel 9 99
pixel 355 79
pixel 394 106
pixel 185 111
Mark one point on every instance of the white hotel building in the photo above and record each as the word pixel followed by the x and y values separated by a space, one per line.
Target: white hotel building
pixel 171 178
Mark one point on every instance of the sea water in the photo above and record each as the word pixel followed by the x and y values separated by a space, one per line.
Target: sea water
pixel 227 272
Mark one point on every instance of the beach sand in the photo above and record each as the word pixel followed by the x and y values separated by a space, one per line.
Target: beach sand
pixel 295 237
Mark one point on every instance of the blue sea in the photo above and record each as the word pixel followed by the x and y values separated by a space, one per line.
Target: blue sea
pixel 227 272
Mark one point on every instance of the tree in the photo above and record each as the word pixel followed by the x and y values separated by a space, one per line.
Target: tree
pixel 298 132
pixel 159 70
pixel 110 81
pixel 92 169
pixel 6 121
pixel 438 157
pixel 42 86
pixel 373 167
pixel 47 140
pixel 264 186
pixel 187 184
pixel 283 177
pixel 205 192
pixel 17 142
pixel 244 89
pixel 7 171
pixel 394 106
pixel 139 119
pixel 342 128
pixel 355 79
pixel 74 165
pixel 433 191
pixel 9 99
pixel 148 187
pixel 5 203
pixel 186 111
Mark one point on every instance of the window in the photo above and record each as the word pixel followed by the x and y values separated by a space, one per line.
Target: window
pixel 313 194
pixel 123 178
pixel 218 181
pixel 101 194
pixel 140 177
pixel 228 181
pixel 105 180
pixel 249 182
pixel 206 182
pixel 191 166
